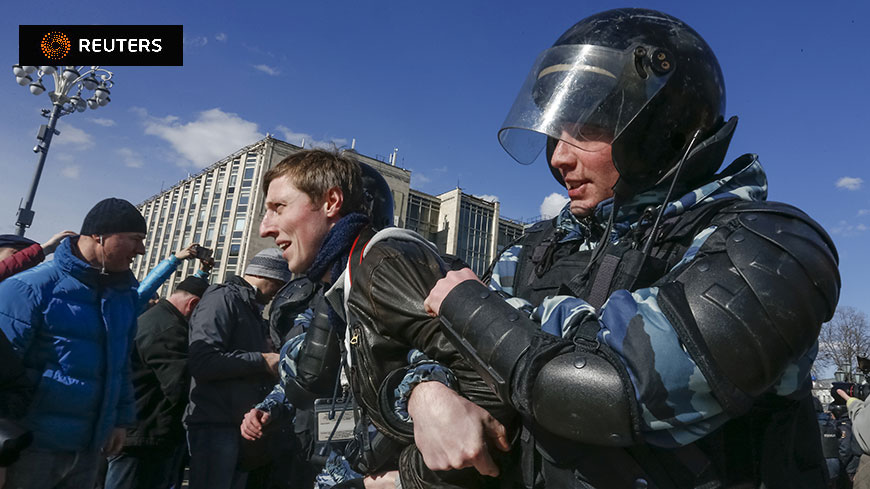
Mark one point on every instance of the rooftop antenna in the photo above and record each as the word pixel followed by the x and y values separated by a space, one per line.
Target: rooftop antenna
pixel 303 143
pixel 353 143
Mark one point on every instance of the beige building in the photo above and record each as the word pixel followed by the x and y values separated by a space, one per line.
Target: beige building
pixel 221 208
pixel 462 225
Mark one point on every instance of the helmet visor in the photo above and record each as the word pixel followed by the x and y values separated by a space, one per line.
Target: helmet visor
pixel 581 94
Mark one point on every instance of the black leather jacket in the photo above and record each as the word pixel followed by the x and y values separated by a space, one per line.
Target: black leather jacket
pixel 386 320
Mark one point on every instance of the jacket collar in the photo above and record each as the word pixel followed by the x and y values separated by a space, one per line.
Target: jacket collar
pixel 85 273
pixel 245 290
pixel 743 179
pixel 165 304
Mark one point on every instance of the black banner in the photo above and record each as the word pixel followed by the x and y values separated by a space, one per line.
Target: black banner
pixel 103 45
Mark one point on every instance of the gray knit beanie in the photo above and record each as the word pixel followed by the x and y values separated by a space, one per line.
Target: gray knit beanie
pixel 269 263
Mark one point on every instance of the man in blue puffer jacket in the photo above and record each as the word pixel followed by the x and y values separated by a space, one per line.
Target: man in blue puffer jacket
pixel 72 321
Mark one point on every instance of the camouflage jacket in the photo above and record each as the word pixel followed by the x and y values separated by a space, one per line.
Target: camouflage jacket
pixel 675 384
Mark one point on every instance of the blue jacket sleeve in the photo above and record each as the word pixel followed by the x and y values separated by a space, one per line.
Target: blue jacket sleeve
pixel 155 279
pixel 502 279
pixel 20 318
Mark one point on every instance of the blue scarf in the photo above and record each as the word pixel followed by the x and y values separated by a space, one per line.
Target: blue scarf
pixel 336 246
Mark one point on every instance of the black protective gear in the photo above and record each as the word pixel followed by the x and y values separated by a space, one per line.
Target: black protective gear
pixel 640 78
pixel 377 194
pixel 573 389
pixel 291 300
pixel 754 298
pixel 318 368
pixel 750 304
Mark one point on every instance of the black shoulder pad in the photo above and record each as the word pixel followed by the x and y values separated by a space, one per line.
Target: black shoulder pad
pixel 291 299
pixel 753 302
pixel 786 210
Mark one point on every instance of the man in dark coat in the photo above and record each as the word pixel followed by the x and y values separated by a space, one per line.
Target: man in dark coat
pixel 233 366
pixel 155 447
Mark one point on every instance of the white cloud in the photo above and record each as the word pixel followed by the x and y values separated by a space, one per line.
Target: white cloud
pixel 72 136
pixel 221 36
pixel 130 158
pixel 103 122
pixel 863 212
pixel 298 138
pixel 195 42
pixel 552 205
pixel 212 136
pixel 267 70
pixel 843 228
pixel 488 197
pixel 850 183
pixel 419 179
pixel 71 171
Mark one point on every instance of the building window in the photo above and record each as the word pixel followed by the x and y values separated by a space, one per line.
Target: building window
pixel 422 216
pixel 475 223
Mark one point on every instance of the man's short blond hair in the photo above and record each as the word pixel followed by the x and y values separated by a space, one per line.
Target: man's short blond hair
pixel 315 171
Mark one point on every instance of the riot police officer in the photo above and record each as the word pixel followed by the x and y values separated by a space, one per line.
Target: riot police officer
pixel 677 353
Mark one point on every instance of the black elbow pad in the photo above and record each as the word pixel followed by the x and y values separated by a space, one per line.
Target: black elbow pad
pixel 584 395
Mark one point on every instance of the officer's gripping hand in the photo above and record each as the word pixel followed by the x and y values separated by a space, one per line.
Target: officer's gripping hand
pixel 432 304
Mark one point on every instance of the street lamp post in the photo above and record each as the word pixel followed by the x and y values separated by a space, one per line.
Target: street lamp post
pixel 62 104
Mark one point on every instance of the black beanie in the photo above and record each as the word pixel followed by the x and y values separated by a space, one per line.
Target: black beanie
pixel 113 216
pixel 193 285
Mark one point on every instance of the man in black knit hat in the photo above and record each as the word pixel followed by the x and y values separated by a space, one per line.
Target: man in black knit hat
pixel 72 321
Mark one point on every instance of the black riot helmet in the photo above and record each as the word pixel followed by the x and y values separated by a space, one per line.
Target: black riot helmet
pixel 378 196
pixel 640 79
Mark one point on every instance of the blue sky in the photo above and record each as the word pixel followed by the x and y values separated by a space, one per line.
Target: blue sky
pixel 435 80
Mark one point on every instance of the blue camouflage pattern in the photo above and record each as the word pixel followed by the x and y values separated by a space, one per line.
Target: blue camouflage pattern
pixel 420 369
pixel 675 400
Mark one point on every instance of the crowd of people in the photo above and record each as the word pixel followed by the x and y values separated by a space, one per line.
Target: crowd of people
pixel 659 332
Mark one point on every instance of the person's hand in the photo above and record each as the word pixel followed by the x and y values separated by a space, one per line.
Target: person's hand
pixel 115 442
pixel 206 264
pixel 432 304
pixel 384 480
pixel 272 362
pixel 452 432
pixel 253 424
pixel 188 252
pixel 49 246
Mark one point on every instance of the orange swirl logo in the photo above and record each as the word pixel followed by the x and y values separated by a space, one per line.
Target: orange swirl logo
pixel 55 45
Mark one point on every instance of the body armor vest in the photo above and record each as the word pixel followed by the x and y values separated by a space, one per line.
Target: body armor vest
pixel 725 457
pixel 546 266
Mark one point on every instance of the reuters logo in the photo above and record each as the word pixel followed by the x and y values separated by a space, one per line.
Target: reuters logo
pixel 55 45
